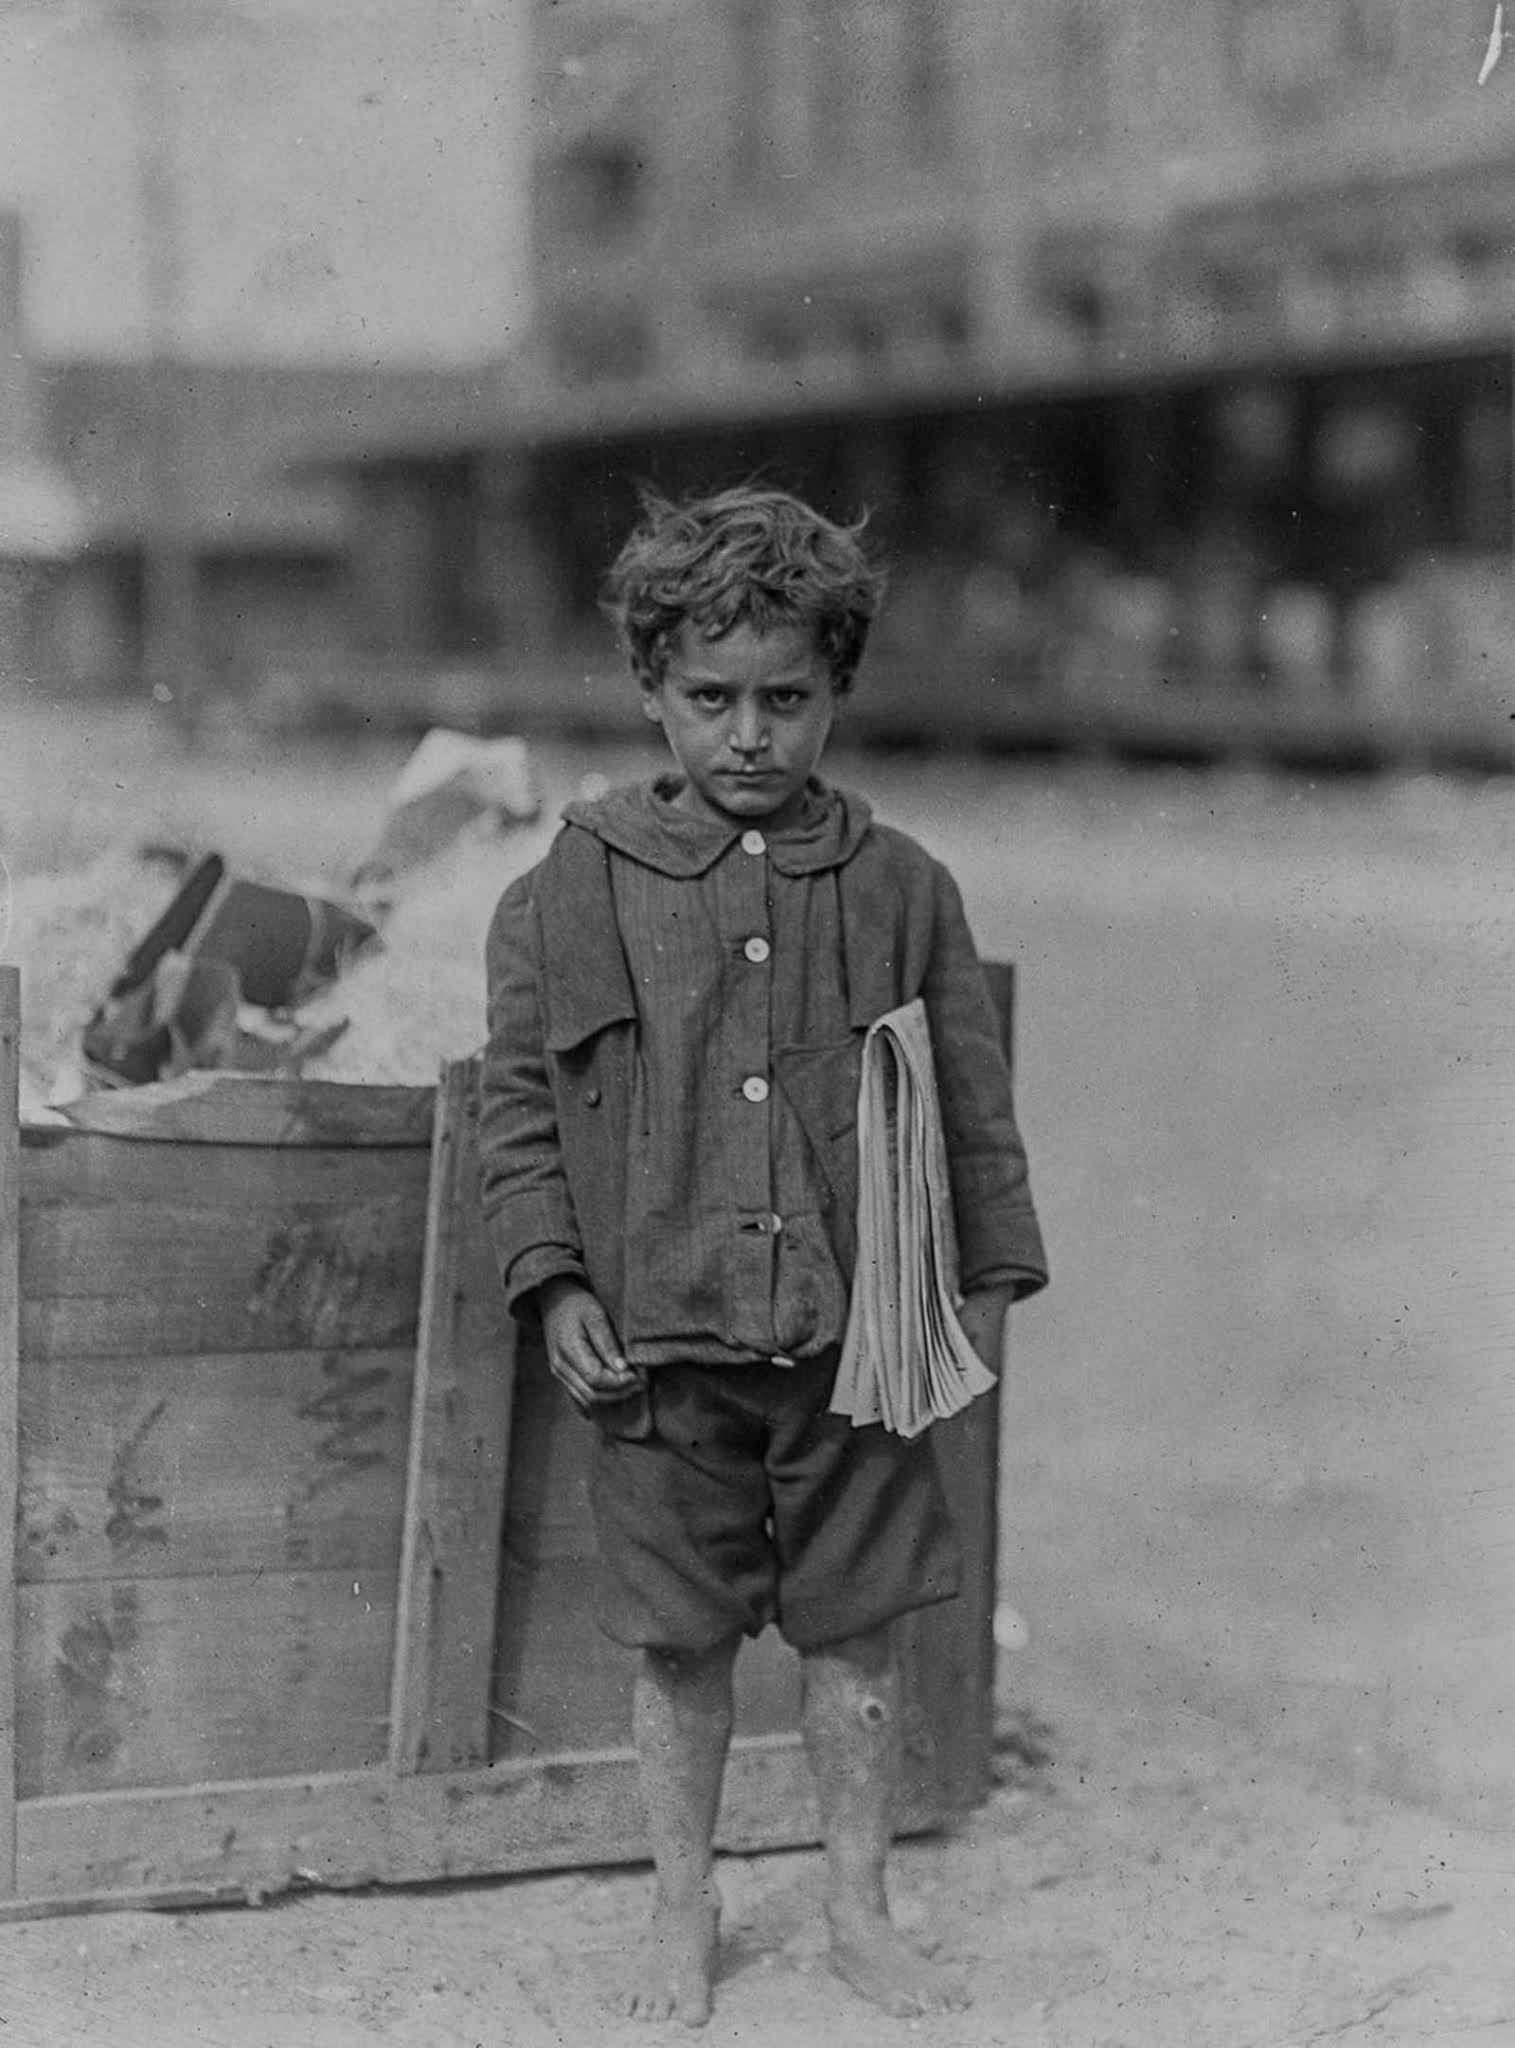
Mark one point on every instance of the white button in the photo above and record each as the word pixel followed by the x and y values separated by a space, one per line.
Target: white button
pixel 776 1224
pixel 755 1088
pixel 779 1358
pixel 757 950
pixel 754 842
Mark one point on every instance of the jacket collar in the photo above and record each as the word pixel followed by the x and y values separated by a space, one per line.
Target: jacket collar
pixel 587 983
pixel 646 824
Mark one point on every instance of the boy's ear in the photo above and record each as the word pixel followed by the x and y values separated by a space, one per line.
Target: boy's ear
pixel 652 699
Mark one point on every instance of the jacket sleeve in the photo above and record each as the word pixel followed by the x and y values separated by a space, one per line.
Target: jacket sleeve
pixel 526 1203
pixel 999 1239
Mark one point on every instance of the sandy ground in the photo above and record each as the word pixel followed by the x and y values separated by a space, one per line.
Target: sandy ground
pixel 1157 1887
pixel 1257 1482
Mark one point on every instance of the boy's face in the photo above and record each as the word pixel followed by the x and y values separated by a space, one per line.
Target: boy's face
pixel 747 717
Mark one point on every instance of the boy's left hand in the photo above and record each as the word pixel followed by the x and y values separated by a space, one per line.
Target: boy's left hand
pixel 982 1316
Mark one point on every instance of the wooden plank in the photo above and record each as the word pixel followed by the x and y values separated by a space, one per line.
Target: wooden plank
pixel 248 1109
pixel 372 1827
pixel 562 1686
pixel 459 1455
pixel 169 1899
pixel 191 1681
pixel 547 1512
pixel 92 1328
pixel 10 1363
pixel 123 1279
pixel 179 1467
pixel 949 1650
pixel 83 1166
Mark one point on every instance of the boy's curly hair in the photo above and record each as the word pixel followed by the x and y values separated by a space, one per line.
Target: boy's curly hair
pixel 747 556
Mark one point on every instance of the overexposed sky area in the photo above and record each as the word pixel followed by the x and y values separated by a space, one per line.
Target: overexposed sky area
pixel 351 176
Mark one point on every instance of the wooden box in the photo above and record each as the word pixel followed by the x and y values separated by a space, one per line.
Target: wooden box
pixel 295 1529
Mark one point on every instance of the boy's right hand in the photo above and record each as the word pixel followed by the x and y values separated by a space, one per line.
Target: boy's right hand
pixel 583 1351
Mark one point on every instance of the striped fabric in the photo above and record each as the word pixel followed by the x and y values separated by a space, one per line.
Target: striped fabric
pixel 727 1249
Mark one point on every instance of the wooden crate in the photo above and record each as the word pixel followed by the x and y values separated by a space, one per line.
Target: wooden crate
pixel 296 1529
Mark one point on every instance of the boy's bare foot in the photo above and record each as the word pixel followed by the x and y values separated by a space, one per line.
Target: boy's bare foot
pixel 677 1969
pixel 889 1969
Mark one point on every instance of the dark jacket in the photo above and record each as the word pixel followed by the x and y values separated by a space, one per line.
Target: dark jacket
pixel 559 1066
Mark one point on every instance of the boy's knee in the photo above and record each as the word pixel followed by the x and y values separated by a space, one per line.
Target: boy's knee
pixel 868 1656
pixel 855 1681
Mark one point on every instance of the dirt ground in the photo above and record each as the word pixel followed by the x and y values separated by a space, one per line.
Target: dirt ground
pixel 1159 1885
pixel 1257 1785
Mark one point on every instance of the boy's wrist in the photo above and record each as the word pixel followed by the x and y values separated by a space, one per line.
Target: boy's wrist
pixel 557 1287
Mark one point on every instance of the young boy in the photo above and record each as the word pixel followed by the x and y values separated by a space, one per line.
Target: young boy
pixel 678 998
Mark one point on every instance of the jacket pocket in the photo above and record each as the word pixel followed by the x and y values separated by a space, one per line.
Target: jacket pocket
pixel 592 1094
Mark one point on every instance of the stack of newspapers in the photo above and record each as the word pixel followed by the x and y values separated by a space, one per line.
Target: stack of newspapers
pixel 906 1359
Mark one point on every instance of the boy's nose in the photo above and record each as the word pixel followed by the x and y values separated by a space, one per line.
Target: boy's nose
pixel 750 733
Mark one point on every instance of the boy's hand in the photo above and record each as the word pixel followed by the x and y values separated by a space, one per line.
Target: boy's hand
pixel 583 1352
pixel 982 1316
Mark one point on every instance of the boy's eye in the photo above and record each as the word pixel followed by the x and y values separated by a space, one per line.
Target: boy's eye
pixel 786 699
pixel 709 698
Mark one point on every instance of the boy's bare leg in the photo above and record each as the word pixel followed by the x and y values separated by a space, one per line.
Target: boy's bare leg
pixel 682 1720
pixel 852 1733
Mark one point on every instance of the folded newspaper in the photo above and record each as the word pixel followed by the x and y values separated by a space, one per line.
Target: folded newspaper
pixel 906 1359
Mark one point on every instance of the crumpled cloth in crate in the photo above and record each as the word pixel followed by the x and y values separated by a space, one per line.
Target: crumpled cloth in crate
pixel 224 944
pixel 452 784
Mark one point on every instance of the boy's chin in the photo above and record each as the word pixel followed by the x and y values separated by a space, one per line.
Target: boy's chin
pixel 748 800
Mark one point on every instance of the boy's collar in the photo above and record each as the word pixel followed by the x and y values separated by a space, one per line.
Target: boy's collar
pixel 643 822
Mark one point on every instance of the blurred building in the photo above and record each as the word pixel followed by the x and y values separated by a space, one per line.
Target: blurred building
pixel 249 224
pixel 764 206
pixel 1168 347
pixel 772 201
pixel 1192 318
pixel 290 568
pixel 42 526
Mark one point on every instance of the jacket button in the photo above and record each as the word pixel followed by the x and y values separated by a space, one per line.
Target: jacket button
pixel 757 951
pixel 592 1097
pixel 755 1088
